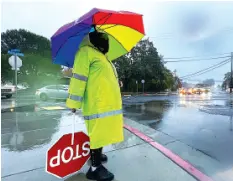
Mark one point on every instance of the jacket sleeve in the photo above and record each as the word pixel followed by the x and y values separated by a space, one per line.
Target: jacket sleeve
pixel 79 79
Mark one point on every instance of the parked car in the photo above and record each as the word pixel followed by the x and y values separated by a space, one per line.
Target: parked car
pixel 52 92
pixel 7 90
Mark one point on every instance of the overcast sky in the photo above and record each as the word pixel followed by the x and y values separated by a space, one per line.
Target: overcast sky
pixel 178 29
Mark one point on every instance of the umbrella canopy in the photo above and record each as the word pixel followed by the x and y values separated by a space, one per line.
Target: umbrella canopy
pixel 125 29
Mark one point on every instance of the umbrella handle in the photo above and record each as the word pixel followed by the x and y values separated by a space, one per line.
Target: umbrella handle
pixel 73 126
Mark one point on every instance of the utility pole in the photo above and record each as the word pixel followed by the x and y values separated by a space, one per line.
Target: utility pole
pixel 231 83
pixel 15 65
pixel 16 82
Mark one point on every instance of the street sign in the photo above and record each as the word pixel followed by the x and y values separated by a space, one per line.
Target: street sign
pixel 143 81
pixel 15 50
pixel 15 63
pixel 12 62
pixel 136 82
pixel 15 53
pixel 65 158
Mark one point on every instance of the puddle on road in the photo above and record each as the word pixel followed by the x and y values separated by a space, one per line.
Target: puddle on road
pixel 34 132
pixel 151 113
pixel 27 108
pixel 32 108
pixel 220 107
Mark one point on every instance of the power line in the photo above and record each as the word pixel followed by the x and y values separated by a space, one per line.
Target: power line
pixel 174 58
pixel 198 80
pixel 206 71
pixel 203 71
pixel 190 60
pixel 206 68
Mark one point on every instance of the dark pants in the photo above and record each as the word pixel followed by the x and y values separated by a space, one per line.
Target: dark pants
pixel 96 157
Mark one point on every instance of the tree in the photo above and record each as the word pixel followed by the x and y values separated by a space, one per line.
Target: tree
pixel 209 82
pixel 24 40
pixel 227 80
pixel 143 62
pixel 6 72
pixel 37 62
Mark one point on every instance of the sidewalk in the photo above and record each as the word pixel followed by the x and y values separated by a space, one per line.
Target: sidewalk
pixel 132 160
pixel 138 163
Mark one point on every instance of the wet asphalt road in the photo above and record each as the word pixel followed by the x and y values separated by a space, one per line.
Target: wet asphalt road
pixel 203 122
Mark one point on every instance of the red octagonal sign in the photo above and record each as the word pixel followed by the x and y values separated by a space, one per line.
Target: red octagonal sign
pixel 65 158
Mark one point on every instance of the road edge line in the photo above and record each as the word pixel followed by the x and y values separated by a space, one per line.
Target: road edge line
pixel 169 154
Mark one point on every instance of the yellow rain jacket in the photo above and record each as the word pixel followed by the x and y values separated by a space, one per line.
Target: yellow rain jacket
pixel 94 88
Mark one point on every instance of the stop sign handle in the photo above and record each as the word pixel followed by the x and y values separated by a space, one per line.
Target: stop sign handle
pixel 72 138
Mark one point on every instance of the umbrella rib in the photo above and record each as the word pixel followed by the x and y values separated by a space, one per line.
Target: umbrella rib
pixel 109 15
pixel 117 41
pixel 101 18
pixel 124 26
pixel 111 27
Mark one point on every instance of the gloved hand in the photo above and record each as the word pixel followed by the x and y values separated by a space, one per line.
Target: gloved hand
pixel 120 83
pixel 73 110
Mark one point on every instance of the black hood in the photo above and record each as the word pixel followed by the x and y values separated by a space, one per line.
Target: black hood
pixel 100 41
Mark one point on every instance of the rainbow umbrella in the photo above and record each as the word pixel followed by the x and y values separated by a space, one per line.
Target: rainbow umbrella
pixel 125 30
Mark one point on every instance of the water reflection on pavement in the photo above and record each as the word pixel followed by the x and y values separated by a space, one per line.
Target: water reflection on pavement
pixel 184 119
pixel 27 134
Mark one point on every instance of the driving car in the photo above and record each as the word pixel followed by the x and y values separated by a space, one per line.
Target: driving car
pixel 52 92
pixel 201 90
pixel 186 91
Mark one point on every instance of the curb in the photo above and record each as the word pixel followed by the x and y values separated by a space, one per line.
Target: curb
pixel 172 156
